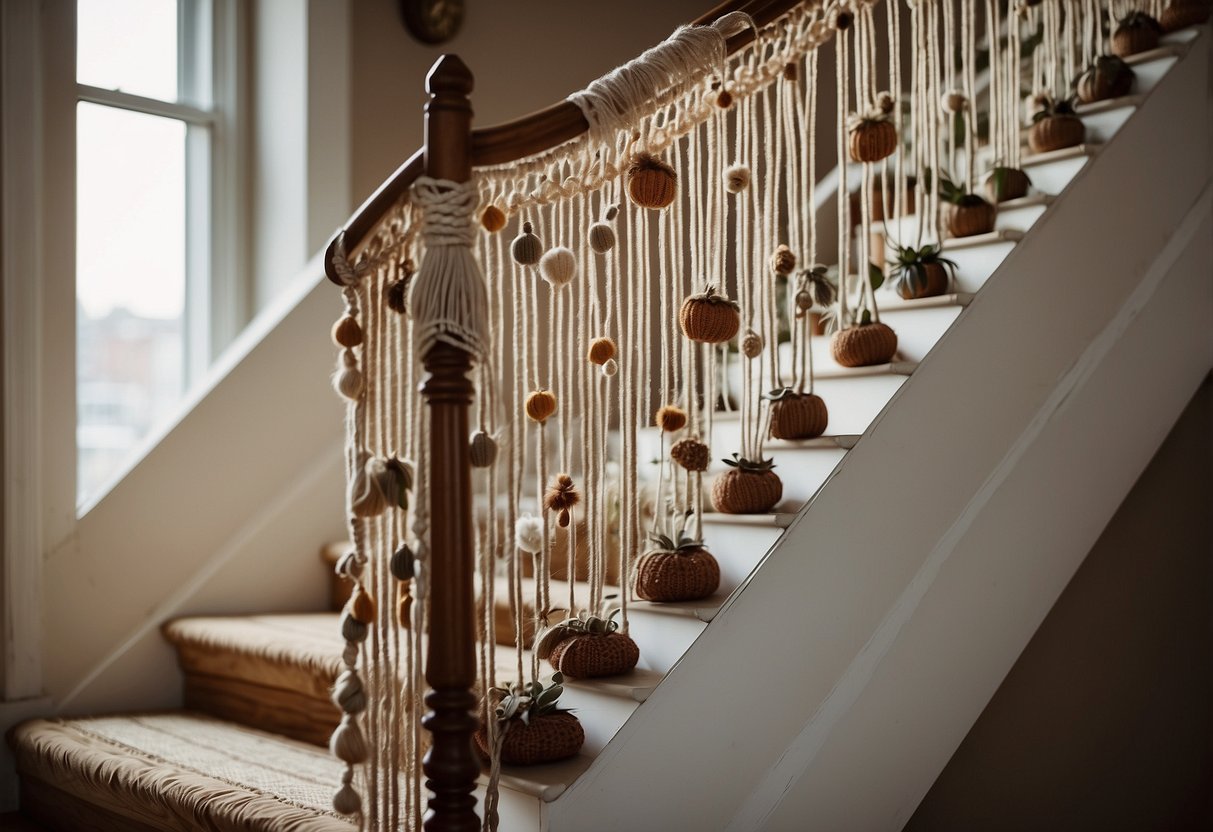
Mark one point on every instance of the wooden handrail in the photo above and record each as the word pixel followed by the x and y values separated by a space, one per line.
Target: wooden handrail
pixel 532 134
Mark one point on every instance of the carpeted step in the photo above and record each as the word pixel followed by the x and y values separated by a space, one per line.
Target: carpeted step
pixel 172 771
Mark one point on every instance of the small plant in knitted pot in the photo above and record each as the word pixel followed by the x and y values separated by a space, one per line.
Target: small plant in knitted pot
pixel 968 213
pixel 533 729
pixel 1179 14
pixel 748 487
pixel 1107 77
pixel 872 136
pixel 1135 32
pixel 676 570
pixel 709 318
pixel 1055 125
pixel 1004 184
pixel 921 273
pixel 797 415
pixel 588 646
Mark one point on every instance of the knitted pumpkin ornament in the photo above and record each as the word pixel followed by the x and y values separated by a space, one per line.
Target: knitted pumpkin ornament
pixel 676 571
pixel 1055 126
pixel 864 345
pixel 1180 14
pixel 747 487
pixel 1136 32
pixel 709 318
pixel 540 405
pixel 535 730
pixel 797 415
pixel 651 182
pixel 873 136
pixel 1108 77
pixel 588 646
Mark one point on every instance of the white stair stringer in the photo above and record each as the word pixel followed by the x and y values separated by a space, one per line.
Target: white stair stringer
pixel 831 689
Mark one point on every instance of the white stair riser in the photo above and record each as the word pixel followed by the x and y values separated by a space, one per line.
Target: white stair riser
pixel 662 638
pixel 1102 126
pixel 1052 177
pixel 918 330
pixel 738 549
pixel 975 265
pixel 1148 74
pixel 601 715
pixel 1018 219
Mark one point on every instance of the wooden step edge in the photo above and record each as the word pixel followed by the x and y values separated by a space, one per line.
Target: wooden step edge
pixel 545 782
pixel 777 519
pixel 893 368
pixel 1001 235
pixel 1174 49
pixel 1107 104
pixel 1086 150
pixel 892 302
pixel 1029 201
pixel 703 610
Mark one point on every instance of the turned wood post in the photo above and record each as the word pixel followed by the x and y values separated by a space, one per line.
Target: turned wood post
pixel 451 765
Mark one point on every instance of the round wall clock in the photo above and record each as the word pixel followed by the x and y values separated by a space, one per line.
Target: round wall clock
pixel 432 21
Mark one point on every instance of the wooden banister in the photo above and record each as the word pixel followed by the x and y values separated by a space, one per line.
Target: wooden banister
pixel 451 766
pixel 527 136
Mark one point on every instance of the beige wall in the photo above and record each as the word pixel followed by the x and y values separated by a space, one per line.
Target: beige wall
pixel 1104 721
pixel 525 55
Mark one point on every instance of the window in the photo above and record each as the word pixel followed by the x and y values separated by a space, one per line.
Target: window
pixel 150 147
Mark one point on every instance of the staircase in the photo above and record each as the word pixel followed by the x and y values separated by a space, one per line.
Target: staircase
pixel 841 661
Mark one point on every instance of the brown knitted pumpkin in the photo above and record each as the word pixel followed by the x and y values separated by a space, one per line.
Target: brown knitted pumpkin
pixel 709 318
pixel 651 182
pixel 971 216
pixel 872 140
pixel 1054 132
pixel 1005 184
pixel 686 572
pixel 1108 77
pixel 747 487
pixel 1183 13
pixel 546 739
pixel 1136 32
pixel 864 345
pixel 590 655
pixel 797 415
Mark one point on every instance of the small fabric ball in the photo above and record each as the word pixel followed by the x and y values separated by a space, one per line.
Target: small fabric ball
pixel 558 265
pixel 651 182
pixel 353 630
pixel 602 237
pixel 736 179
pixel 396 296
pixel 348 693
pixel 528 533
pixel 348 379
pixel 540 405
pixel 610 368
pixel 483 450
pixel 691 454
pixel 791 72
pixel 955 100
pixel 348 743
pixel 804 300
pixel 724 100
pixel 493 219
pixel 362 606
pixel 347 333
pixel 843 20
pixel 885 102
pixel 402 563
pixel 751 345
pixel 601 351
pixel 671 418
pixel 526 248
pixel 783 261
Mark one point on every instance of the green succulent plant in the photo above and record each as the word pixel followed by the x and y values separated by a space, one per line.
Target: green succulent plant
pixel 682 543
pixel 528 701
pixel 910 268
pixel 749 464
pixel 949 191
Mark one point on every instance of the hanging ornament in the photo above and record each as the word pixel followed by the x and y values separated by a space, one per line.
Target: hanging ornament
pixel 348 379
pixel 751 344
pixel 402 563
pixel 526 248
pixel 558 266
pixel 540 405
pixel 954 101
pixel 670 418
pixel 691 454
pixel 736 178
pixel 601 351
pixel 482 450
pixel 602 236
pixel 783 261
pixel 493 219
pixel 873 135
pixel 347 333
pixel 651 182
pixel 561 496
pixel 528 534
pixel 709 318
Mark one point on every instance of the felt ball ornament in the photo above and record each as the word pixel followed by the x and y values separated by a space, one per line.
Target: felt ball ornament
pixel 493 219
pixel 842 20
pixel 362 607
pixel 353 630
pixel 691 454
pixel 751 344
pixel 602 238
pixel 348 379
pixel 402 563
pixel 526 248
pixel 561 497
pixel 669 573
pixel 651 182
pixel 736 178
pixel 601 351
pixel 558 266
pixel 540 405
pixel 396 295
pixel 670 418
pixel 864 346
pixel 610 368
pixel 791 72
pixel 724 100
pixel 783 261
pixel 528 534
pixel 347 801
pixel 482 450
pixel 797 415
pixel 346 332
pixel 545 738
pixel 709 318
pixel 748 487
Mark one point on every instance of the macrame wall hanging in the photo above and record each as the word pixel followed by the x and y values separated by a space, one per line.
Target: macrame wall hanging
pixel 627 294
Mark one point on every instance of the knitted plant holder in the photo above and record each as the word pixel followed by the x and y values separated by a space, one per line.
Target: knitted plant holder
pixel 591 655
pixel 738 491
pixel 1005 184
pixel 546 739
pixel 1055 133
pixel 864 346
pixel 677 576
pixel 972 217
pixel 799 416
pixel 934 283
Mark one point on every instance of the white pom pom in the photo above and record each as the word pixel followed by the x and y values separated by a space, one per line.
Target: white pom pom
pixel 558 265
pixel 736 179
pixel 528 533
pixel 610 368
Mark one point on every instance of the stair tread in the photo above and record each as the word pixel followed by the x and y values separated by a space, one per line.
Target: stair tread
pixel 704 609
pixel 1109 104
pixel 893 302
pixel 1164 50
pixel 1002 235
pixel 136 766
pixel 779 519
pixel 1080 150
pixel 546 782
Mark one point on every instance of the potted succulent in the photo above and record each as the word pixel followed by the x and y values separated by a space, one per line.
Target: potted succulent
pixel 1107 77
pixel 587 646
pixel 709 318
pixel 1135 32
pixel 676 569
pixel 1054 125
pixel 872 135
pixel 748 487
pixel 1005 183
pixel 533 728
pixel 969 214
pixel 797 415
pixel 921 273
pixel 1180 14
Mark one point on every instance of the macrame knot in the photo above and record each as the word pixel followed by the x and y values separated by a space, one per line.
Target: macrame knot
pixel 449 300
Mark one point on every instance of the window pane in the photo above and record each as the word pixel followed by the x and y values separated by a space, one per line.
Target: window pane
pixel 128 45
pixel 130 283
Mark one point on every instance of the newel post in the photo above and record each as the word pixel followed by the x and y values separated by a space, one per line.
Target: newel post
pixel 451 766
